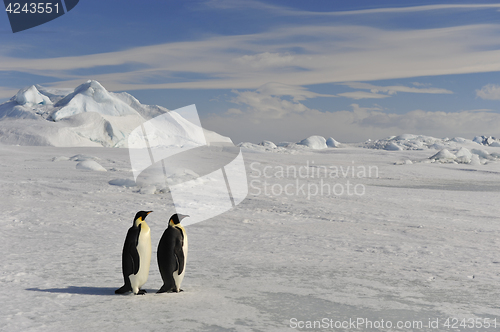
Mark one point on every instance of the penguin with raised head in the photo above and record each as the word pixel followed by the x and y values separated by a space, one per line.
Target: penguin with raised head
pixel 172 255
pixel 136 255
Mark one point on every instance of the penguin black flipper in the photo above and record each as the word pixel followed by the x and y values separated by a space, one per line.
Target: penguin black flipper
pixel 179 254
pixel 131 260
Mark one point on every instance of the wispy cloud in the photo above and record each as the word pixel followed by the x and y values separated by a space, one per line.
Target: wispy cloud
pixel 267 102
pixel 393 89
pixel 265 59
pixel 480 110
pixel 286 10
pixel 410 9
pixel 420 84
pixel 489 91
pixel 263 107
pixel 272 101
pixel 298 93
pixel 242 4
pixel 362 95
pixel 377 91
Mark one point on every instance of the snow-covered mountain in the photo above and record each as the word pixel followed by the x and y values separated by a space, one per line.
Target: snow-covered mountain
pixel 86 116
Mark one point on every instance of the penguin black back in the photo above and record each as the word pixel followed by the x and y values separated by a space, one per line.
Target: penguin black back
pixel 172 254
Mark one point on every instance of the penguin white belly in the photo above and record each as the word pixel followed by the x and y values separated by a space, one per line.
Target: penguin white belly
pixel 144 250
pixel 178 277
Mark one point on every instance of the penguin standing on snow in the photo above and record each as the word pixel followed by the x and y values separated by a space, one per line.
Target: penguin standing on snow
pixel 172 255
pixel 136 255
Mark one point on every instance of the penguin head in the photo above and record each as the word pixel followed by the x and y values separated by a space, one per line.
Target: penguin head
pixel 176 219
pixel 140 217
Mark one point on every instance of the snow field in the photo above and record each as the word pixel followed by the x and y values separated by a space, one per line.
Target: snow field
pixel 421 243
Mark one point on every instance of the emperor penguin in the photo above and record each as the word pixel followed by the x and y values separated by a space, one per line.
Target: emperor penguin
pixel 136 255
pixel 172 255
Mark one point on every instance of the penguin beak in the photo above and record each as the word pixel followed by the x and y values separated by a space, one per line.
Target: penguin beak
pixel 148 212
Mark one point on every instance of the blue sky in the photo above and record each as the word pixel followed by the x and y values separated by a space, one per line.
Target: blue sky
pixel 279 70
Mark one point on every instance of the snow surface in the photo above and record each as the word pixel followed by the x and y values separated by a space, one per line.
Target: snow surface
pixel 422 243
pixel 268 144
pixel 421 142
pixel 90 165
pixel 444 156
pixel 332 143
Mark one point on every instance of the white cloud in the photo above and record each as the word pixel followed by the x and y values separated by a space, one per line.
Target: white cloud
pixel 282 10
pixel 411 9
pixel 421 84
pixel 489 91
pixel 234 111
pixel 362 95
pixel 265 59
pixel 480 110
pixel 263 106
pixel 391 90
pixel 333 54
pixel 267 101
pixel 377 91
pixel 297 92
pixel 242 4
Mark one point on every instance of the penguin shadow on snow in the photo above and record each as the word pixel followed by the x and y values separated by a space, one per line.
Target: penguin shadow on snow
pixel 103 291
pixel 78 290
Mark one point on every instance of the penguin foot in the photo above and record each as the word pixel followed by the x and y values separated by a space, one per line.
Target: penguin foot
pixel 141 292
pixel 122 290
pixel 163 289
pixel 166 290
pixel 173 290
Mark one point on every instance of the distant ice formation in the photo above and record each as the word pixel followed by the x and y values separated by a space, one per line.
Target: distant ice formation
pixel 86 116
